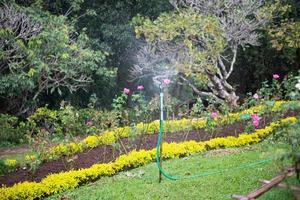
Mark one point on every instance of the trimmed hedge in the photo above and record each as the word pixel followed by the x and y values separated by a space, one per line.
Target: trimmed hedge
pixel 56 183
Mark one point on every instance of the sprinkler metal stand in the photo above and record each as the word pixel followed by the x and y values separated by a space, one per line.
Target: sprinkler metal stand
pixel 161 94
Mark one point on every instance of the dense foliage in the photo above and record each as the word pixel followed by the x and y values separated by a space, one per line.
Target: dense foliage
pixel 81 51
pixel 74 57
pixel 42 54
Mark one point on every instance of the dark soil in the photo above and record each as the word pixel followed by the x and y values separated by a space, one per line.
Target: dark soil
pixel 107 153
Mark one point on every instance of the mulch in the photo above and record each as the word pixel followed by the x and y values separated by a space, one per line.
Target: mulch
pixel 107 153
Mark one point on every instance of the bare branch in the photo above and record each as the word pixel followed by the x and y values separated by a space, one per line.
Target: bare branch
pixel 234 51
pixel 203 94
pixel 22 28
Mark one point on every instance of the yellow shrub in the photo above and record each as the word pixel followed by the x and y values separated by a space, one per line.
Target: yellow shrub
pixel 30 157
pixel 10 162
pixel 91 141
pixel 198 123
pixel 108 138
pixel 74 148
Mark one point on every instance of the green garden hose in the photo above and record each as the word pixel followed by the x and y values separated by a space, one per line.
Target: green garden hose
pixel 170 177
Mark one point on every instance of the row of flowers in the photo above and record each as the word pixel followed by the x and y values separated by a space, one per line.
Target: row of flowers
pixel 171 126
pixel 57 183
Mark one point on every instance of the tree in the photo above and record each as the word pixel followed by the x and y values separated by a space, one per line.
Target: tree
pixel 111 30
pixel 41 53
pixel 285 33
pixel 202 38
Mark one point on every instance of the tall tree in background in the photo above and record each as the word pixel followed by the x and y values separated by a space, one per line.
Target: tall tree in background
pixel 278 52
pixel 203 37
pixel 110 29
pixel 40 53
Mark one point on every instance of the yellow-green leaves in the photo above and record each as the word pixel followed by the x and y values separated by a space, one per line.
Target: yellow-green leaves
pixel 288 34
pixel 189 31
pixel 31 72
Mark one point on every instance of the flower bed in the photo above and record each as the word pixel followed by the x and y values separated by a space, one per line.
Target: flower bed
pixel 171 126
pixel 56 183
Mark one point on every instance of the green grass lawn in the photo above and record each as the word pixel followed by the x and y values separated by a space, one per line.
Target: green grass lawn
pixel 142 182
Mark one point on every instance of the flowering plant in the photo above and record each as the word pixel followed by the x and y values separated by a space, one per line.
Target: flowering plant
pixel 140 87
pixel 167 81
pixel 255 96
pixel 255 120
pixel 118 105
pixel 126 91
pixel 214 115
pixel 276 76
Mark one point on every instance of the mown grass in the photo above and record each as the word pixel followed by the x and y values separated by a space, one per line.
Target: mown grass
pixel 142 183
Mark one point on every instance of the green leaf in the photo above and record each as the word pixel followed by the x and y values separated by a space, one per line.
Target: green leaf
pixel 59 91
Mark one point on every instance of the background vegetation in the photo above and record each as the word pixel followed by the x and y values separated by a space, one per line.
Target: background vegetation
pixel 75 59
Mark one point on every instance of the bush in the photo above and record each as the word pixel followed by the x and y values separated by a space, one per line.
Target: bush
pixel 10 133
pixel 284 89
pixel 68 121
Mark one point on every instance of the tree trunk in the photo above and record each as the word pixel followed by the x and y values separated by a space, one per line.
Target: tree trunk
pixel 223 90
pixel 232 100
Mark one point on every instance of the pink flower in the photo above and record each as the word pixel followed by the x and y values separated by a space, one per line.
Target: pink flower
pixel 214 115
pixel 166 81
pixel 255 120
pixel 89 123
pixel 255 96
pixel 276 76
pixel 255 117
pixel 255 123
pixel 126 91
pixel 140 87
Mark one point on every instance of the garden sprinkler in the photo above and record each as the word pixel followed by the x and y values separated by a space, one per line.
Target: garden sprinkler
pixel 159 146
pixel 161 120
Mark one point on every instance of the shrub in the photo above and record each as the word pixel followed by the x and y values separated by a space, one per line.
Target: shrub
pixel 68 121
pixel 10 133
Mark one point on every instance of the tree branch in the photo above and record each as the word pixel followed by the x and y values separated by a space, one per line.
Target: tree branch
pixel 234 51
pixel 201 93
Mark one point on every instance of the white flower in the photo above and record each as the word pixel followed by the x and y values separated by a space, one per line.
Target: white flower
pixel 298 85
pixel 255 96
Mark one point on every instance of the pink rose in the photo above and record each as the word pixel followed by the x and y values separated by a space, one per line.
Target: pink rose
pixel 255 120
pixel 166 81
pixel 255 117
pixel 126 91
pixel 140 87
pixel 255 96
pixel 214 115
pixel 255 123
pixel 276 76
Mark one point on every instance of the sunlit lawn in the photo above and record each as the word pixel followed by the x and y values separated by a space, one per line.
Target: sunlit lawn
pixel 142 183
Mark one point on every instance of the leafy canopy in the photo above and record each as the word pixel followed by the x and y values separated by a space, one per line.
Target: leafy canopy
pixel 54 58
pixel 194 38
